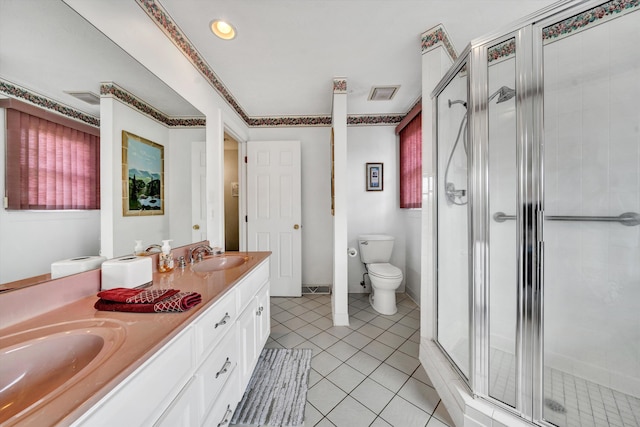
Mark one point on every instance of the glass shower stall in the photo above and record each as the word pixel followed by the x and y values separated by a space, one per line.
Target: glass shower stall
pixel 537 132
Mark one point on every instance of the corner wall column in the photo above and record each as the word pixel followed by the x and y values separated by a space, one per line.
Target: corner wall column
pixel 339 296
pixel 437 57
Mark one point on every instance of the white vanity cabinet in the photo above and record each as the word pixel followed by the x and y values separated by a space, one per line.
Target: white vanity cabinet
pixel 143 396
pixel 253 330
pixel 197 378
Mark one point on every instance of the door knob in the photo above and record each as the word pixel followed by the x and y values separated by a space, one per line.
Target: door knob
pixel 296 226
pixel 196 227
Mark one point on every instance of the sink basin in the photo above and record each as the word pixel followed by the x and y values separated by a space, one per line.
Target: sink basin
pixel 222 262
pixel 40 363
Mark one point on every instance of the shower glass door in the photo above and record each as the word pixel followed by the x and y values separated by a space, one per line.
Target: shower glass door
pixel 591 273
pixel 503 184
pixel 453 241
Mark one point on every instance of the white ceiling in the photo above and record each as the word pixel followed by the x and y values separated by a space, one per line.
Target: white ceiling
pixel 282 62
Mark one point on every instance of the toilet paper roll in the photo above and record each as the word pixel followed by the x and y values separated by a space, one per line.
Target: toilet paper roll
pixel 352 252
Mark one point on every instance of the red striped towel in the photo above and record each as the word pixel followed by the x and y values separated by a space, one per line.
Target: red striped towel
pixel 136 296
pixel 181 301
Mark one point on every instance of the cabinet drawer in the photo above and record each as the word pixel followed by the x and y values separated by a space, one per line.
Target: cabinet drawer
pixel 217 321
pixel 217 369
pixel 224 406
pixel 184 411
pixel 249 287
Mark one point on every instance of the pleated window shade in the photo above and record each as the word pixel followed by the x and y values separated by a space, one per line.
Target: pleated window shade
pixel 411 164
pixel 50 166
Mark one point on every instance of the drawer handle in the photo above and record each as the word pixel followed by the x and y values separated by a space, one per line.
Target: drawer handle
pixel 224 369
pixel 259 311
pixel 223 321
pixel 227 417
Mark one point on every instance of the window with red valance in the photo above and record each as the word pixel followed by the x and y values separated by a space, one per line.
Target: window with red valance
pixel 411 160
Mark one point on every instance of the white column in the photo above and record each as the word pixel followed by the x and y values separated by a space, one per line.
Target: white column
pixel 339 298
pixel 110 176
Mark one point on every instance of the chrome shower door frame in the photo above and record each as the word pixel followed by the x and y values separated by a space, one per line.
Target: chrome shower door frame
pixel 461 62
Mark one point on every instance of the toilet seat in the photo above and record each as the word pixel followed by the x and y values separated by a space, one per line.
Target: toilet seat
pixel 384 271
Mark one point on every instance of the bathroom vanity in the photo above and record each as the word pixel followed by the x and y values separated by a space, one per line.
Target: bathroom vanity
pixel 164 369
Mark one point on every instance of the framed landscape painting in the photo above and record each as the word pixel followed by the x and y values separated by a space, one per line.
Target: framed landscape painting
pixel 142 176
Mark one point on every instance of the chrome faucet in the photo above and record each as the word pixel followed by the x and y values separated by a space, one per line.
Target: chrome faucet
pixel 197 250
pixel 154 246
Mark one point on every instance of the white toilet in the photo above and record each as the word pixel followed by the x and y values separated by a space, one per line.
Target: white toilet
pixel 375 252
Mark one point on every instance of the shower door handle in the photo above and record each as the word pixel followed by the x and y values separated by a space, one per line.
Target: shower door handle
pixel 628 218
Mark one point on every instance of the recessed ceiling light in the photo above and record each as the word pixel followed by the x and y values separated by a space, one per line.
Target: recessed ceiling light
pixel 223 29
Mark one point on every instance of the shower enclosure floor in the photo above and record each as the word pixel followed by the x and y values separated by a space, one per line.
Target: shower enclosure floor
pixel 570 401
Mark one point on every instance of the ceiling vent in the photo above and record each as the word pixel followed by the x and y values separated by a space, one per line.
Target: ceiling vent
pixel 88 97
pixel 383 93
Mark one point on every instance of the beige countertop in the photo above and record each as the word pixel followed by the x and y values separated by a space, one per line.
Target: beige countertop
pixel 145 333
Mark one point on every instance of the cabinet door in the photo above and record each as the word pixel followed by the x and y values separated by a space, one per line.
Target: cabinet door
pixel 263 321
pixel 248 351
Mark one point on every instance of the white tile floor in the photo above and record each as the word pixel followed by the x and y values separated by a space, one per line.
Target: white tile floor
pixel 366 374
pixel 577 402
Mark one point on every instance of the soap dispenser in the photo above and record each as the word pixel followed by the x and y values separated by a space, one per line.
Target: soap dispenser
pixel 165 260
pixel 138 249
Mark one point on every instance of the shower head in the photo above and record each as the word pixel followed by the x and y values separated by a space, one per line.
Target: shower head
pixel 504 94
pixel 457 101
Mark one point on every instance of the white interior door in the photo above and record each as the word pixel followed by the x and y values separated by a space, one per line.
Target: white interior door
pixel 198 194
pixel 274 210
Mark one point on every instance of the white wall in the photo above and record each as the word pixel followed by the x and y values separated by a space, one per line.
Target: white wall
pixel 118 231
pixel 412 220
pixel 368 212
pixel 30 241
pixel 373 212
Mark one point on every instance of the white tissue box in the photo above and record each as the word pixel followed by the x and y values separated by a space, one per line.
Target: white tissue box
pixel 126 272
pixel 75 265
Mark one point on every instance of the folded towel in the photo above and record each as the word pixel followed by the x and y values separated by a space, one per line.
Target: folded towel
pixel 181 301
pixel 136 296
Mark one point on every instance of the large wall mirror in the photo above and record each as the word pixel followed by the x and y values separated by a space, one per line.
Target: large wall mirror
pixel 49 52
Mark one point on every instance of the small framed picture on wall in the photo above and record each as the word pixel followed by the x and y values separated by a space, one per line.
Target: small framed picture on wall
pixel 374 177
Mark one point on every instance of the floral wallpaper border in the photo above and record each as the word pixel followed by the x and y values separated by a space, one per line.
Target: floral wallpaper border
pixel 501 51
pixel 109 89
pixel 46 103
pixel 430 39
pixel 596 15
pixel 116 91
pixel 339 85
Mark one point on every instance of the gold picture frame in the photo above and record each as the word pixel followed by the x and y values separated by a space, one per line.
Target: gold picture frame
pixel 142 176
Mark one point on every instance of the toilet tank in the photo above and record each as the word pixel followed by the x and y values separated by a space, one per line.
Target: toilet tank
pixel 375 248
